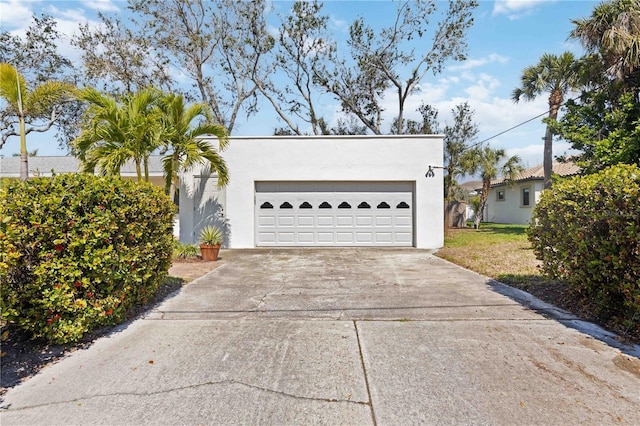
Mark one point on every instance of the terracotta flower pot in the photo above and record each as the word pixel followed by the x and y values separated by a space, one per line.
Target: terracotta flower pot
pixel 209 252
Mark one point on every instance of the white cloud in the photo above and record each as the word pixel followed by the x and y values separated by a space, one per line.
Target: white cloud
pixel 478 62
pixel 532 155
pixel 101 5
pixel 72 15
pixel 336 23
pixel 273 30
pixel 485 85
pixel 16 16
pixel 515 9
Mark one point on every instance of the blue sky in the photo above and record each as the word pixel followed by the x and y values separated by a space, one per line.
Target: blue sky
pixel 507 37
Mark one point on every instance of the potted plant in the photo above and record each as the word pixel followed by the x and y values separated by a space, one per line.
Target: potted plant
pixel 210 241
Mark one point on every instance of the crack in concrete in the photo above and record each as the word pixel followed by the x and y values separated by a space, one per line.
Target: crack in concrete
pixel 195 386
pixel 261 301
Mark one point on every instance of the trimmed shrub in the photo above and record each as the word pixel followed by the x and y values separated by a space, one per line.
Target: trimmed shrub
pixel 586 231
pixel 78 251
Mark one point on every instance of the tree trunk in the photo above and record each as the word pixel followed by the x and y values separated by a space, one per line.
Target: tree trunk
pixel 400 123
pixel 486 184
pixel 555 100
pixel 172 190
pixel 174 176
pixel 547 161
pixel 24 155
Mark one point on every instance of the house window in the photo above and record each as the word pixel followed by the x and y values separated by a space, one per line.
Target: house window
pixel 500 195
pixel 526 197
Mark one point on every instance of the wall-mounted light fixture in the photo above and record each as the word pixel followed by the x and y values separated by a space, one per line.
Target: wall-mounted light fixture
pixel 431 172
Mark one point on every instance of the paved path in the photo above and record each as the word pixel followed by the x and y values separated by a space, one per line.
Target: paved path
pixel 342 336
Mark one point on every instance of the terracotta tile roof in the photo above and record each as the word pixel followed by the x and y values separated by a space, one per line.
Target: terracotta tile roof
pixel 537 172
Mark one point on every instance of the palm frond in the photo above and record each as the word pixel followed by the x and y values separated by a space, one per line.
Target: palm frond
pixel 13 86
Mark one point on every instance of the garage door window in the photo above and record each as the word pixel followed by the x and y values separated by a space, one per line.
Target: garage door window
pixel 364 205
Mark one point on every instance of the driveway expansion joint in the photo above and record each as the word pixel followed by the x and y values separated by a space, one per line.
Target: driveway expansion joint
pixel 364 372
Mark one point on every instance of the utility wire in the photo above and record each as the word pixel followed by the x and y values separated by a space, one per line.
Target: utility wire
pixel 508 130
pixel 531 119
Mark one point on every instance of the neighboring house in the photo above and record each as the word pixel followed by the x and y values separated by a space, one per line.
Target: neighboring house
pixel 45 165
pixel 324 191
pixel 513 202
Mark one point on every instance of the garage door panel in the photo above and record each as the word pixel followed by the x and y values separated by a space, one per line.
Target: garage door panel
pixel 344 221
pixel 286 237
pixel 384 237
pixel 334 213
pixel 403 237
pixel 364 237
pixel 286 221
pixel 344 237
pixel 383 221
pixel 305 221
pixel 267 237
pixel 364 220
pixel 325 221
pixel 305 237
pixel 266 221
pixel 403 221
pixel 325 237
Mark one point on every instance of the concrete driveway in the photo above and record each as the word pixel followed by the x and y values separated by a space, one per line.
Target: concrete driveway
pixel 337 336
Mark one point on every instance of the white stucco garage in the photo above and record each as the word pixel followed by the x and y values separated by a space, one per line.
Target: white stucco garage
pixel 309 191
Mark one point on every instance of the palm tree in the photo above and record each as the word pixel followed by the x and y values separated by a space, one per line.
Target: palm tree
pixel 556 75
pixel 489 163
pixel 44 102
pixel 613 32
pixel 116 133
pixel 185 148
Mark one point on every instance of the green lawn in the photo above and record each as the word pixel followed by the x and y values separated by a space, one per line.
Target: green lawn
pixel 496 250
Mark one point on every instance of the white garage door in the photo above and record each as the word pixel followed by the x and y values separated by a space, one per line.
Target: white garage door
pixel 334 214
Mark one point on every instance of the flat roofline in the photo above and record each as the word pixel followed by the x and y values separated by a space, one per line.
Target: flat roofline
pixel 315 137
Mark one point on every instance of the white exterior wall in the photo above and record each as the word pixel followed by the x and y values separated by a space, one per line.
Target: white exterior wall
pixel 200 199
pixel 511 209
pixel 328 158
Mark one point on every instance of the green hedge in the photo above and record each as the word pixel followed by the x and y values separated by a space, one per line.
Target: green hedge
pixel 586 231
pixel 78 251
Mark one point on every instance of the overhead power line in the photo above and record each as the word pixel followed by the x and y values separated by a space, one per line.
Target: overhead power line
pixel 531 119
pixel 509 129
